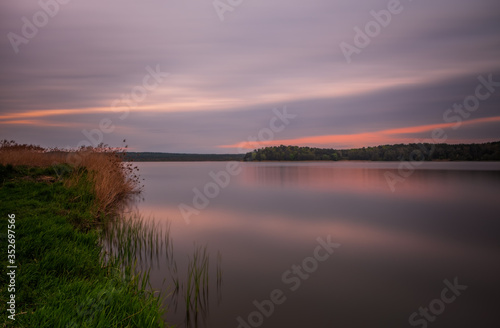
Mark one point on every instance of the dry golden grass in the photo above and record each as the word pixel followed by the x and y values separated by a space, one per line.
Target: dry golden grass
pixel 113 180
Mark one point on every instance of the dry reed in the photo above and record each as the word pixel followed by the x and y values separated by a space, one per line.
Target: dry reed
pixel 112 179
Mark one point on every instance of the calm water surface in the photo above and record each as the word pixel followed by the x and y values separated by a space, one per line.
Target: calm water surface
pixel 396 248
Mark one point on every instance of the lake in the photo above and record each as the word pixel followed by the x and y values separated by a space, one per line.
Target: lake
pixel 329 244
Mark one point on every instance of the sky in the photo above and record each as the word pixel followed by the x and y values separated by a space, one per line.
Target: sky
pixel 204 76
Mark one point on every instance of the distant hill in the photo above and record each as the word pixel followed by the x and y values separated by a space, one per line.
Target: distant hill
pixel 171 157
pixel 429 152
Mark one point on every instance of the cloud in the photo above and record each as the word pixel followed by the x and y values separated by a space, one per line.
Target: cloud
pixel 226 77
pixel 412 134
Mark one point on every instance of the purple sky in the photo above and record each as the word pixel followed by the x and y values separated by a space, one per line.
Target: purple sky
pixel 225 77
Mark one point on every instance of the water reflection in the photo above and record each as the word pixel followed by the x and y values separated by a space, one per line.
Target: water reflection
pixel 369 178
pixel 145 248
pixel 396 247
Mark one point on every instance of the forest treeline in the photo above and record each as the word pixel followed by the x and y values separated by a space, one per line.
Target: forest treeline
pixel 171 157
pixel 399 152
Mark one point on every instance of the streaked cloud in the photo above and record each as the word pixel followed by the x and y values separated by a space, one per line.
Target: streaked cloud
pixel 226 77
pixel 358 140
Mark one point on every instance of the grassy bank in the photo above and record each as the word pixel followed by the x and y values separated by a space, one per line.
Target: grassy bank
pixel 60 204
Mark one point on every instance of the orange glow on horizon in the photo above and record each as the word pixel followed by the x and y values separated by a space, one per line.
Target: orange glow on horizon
pixel 170 99
pixel 388 136
pixel 41 123
pixel 47 112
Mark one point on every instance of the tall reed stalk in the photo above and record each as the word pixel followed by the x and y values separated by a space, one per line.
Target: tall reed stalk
pixel 141 245
pixel 112 179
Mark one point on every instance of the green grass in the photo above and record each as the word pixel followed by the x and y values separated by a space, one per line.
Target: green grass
pixel 62 279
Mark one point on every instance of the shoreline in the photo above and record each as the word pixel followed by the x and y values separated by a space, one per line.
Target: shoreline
pixel 62 278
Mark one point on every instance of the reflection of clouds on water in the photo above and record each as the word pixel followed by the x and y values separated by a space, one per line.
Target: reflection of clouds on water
pixel 440 223
pixel 145 246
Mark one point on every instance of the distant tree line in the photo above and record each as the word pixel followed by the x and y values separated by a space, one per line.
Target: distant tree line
pixel 171 157
pixel 400 152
